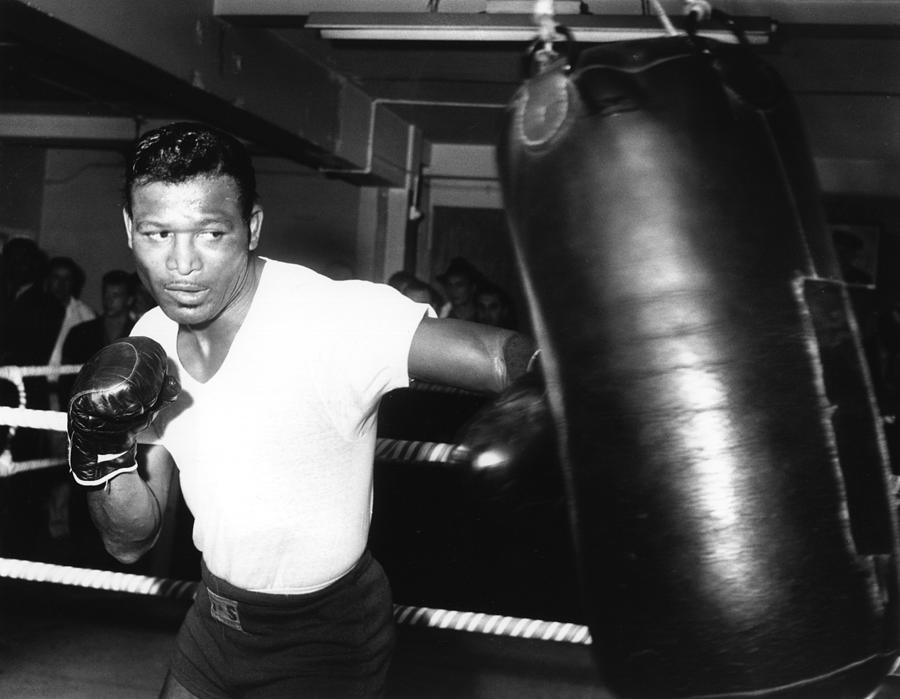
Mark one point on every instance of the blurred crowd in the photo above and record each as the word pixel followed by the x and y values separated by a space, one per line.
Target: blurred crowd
pixel 45 323
pixel 465 293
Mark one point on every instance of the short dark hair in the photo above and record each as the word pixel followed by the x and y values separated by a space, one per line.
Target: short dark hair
pixel 118 277
pixel 181 151
pixel 74 269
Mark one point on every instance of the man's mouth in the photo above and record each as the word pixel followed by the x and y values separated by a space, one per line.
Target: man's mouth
pixel 183 292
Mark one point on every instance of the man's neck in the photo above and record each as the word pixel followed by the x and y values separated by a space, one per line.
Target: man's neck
pixel 203 348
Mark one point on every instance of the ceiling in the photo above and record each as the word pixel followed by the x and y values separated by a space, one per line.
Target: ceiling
pixel 453 90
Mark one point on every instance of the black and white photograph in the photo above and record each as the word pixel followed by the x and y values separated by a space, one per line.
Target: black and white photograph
pixel 450 349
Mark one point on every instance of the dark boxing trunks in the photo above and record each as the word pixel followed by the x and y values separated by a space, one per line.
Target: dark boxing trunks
pixel 333 643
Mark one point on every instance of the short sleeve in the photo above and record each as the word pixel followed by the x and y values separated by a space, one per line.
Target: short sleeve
pixel 372 350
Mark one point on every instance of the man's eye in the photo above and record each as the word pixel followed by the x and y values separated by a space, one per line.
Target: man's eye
pixel 215 235
pixel 157 235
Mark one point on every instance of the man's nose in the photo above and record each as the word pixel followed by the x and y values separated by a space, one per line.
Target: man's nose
pixel 183 257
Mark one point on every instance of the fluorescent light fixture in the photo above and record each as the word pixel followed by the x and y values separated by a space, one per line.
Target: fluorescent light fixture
pixel 436 26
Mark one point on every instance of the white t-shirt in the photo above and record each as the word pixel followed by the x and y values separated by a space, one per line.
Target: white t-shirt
pixel 275 451
pixel 77 311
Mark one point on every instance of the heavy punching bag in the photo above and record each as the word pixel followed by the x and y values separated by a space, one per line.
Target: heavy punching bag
pixel 724 464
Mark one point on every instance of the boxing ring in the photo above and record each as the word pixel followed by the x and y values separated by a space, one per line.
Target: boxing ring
pixel 485 635
pixel 721 455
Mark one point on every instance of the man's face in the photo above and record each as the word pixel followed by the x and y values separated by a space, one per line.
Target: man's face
pixel 488 309
pixel 59 284
pixel 192 246
pixel 459 289
pixel 116 300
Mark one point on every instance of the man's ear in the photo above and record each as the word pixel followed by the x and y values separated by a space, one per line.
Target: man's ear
pixel 256 221
pixel 128 224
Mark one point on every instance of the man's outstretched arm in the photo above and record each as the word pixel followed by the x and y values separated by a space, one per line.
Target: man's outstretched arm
pixel 469 355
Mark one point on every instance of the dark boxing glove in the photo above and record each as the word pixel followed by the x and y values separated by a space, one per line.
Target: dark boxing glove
pixel 516 427
pixel 116 395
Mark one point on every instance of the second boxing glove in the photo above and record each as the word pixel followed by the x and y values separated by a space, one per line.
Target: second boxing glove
pixel 116 395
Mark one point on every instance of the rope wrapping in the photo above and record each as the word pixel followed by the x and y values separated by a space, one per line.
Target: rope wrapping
pixel 419 452
pixel 184 590
pixel 393 450
pixel 35 419
pixel 493 624
pixel 34 571
pixel 9 467
pixel 8 371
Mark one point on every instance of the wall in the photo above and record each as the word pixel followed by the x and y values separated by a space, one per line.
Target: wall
pixel 81 214
pixel 859 181
pixel 308 218
pixel 21 167
pixel 456 176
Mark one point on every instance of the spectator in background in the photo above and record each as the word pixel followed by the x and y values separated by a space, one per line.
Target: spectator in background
pixel 24 266
pixel 400 280
pixel 423 292
pixel 68 516
pixel 493 307
pixel 22 270
pixel 85 339
pixel 39 319
pixel 460 282
pixel 65 280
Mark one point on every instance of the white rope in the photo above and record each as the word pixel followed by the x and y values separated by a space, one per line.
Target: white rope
pixel 448 619
pixel 543 16
pixel 440 388
pixel 35 419
pixel 664 18
pixel 420 452
pixel 29 371
pixel 9 467
pixel 493 624
pixel 15 375
pixel 409 451
pixel 93 578
pixel 701 8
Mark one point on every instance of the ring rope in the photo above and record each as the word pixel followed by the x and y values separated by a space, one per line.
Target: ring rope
pixel 420 452
pixel 479 622
pixel 34 571
pixel 9 467
pixel 8 371
pixel 14 373
pixel 35 419
pixel 417 385
pixel 470 622
pixel 385 449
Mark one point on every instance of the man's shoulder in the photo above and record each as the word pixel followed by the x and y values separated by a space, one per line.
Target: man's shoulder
pixel 352 294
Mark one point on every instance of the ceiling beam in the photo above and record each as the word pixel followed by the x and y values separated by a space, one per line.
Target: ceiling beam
pixel 413 26
pixel 293 13
pixel 245 80
pixel 62 128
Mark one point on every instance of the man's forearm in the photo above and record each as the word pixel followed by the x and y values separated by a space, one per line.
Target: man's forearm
pixel 469 355
pixel 128 515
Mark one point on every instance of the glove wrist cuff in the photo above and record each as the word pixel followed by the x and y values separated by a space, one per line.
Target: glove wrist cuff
pixel 100 476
